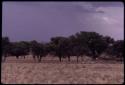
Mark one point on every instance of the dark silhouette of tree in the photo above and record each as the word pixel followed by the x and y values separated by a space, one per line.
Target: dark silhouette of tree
pixel 39 50
pixel 82 43
pixel 59 46
pixel 19 49
pixel 34 45
pixel 116 49
pixel 6 45
pixel 43 51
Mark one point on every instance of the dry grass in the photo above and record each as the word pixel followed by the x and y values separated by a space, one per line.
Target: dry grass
pixel 54 72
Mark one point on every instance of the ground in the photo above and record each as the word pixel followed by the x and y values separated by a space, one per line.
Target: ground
pixel 51 71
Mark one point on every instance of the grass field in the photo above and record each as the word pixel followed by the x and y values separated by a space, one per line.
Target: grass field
pixel 51 71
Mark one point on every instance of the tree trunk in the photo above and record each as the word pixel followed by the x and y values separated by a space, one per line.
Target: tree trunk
pixel 69 58
pixel 82 58
pixel 60 58
pixel 4 58
pixel 17 57
pixel 77 58
pixel 95 57
pixel 34 57
pixel 40 57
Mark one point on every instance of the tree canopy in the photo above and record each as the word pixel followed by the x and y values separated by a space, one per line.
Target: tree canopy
pixel 82 43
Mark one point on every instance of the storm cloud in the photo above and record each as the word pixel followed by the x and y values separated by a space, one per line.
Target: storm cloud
pixel 42 20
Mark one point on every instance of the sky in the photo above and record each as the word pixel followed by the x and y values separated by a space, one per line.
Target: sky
pixel 26 21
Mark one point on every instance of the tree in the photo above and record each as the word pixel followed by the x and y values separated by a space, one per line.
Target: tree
pixel 60 46
pixel 6 46
pixel 34 45
pixel 108 39
pixel 19 49
pixel 116 49
pixel 96 44
pixel 43 51
pixel 25 48
pixel 38 49
pixel 91 43
pixel 82 43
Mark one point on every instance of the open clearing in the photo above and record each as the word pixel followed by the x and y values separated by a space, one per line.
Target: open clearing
pixel 51 71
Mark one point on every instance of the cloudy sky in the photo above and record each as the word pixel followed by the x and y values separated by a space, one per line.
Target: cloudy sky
pixel 42 20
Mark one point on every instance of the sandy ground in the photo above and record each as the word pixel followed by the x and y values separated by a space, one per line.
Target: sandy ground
pixel 51 71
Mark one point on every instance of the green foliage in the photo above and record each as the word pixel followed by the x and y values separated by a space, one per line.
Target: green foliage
pixel 82 43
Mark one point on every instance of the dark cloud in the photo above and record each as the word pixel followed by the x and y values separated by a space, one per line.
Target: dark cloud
pixel 43 20
pixel 108 4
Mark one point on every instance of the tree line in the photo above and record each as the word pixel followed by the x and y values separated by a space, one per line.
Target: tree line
pixel 82 43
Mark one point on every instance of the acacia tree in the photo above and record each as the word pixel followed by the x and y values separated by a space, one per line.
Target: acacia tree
pixel 14 48
pixel 38 50
pixel 57 48
pixel 43 51
pixel 60 45
pixel 19 49
pixel 64 45
pixel 91 43
pixel 97 45
pixel 108 39
pixel 34 46
pixel 24 47
pixel 119 48
pixel 116 49
pixel 82 43
pixel 6 47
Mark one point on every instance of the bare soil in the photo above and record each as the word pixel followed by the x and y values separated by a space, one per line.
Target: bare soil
pixel 51 71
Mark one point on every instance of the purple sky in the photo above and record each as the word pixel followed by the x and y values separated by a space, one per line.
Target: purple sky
pixel 42 20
